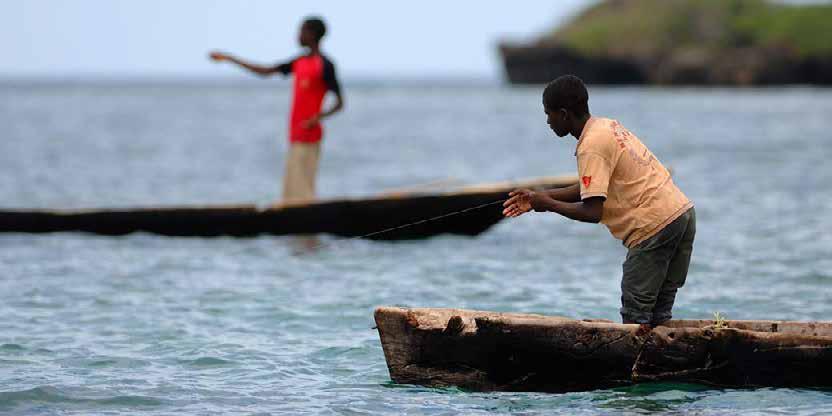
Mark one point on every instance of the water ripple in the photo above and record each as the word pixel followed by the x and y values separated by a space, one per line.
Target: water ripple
pixel 30 398
pixel 155 325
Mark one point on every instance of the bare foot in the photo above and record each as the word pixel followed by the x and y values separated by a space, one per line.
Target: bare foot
pixel 643 329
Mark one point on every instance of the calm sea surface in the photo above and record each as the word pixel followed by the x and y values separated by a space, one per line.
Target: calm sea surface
pixel 155 325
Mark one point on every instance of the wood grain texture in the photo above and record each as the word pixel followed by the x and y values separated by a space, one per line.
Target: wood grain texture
pixel 488 351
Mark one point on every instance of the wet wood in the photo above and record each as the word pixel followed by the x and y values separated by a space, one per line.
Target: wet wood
pixel 341 217
pixel 519 352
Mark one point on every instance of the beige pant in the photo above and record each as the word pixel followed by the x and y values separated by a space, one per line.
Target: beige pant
pixel 301 170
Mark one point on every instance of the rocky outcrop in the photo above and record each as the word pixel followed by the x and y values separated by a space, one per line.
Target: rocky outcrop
pixel 682 42
pixel 741 66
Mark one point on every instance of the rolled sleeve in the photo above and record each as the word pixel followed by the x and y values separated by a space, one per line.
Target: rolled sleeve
pixel 594 172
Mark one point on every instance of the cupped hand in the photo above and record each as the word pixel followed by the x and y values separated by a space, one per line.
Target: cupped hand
pixel 218 56
pixel 518 203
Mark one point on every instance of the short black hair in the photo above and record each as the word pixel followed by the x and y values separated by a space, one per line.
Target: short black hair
pixel 316 26
pixel 569 92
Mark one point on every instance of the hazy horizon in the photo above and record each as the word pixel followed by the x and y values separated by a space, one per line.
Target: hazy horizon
pixel 48 39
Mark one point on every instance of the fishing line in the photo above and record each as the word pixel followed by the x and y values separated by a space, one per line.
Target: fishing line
pixel 387 230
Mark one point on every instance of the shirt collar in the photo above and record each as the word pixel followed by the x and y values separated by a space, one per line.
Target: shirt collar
pixel 583 133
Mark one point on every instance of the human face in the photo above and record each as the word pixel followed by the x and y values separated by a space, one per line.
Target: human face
pixel 558 120
pixel 306 38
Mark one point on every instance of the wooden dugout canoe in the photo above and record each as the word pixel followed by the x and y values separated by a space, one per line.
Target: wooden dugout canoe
pixel 488 351
pixel 341 217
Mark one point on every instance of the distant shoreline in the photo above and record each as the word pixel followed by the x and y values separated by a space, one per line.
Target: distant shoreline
pixel 171 82
pixel 186 80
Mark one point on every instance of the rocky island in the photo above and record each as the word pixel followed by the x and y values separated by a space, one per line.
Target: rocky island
pixel 682 42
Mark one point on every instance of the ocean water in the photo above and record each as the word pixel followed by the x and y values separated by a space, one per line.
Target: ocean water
pixel 143 324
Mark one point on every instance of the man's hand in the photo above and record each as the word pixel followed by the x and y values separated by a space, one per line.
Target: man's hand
pixel 311 122
pixel 219 56
pixel 521 201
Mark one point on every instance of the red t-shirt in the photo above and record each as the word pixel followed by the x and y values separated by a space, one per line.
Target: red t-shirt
pixel 314 76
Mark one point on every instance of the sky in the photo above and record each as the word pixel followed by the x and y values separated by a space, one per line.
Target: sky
pixel 67 39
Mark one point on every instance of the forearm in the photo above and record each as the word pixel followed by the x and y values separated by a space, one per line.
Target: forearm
pixel 570 193
pixel 257 69
pixel 578 211
pixel 338 106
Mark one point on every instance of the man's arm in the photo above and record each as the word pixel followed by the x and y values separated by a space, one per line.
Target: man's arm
pixel 517 205
pixel 588 210
pixel 570 193
pixel 338 106
pixel 257 69
pixel 524 200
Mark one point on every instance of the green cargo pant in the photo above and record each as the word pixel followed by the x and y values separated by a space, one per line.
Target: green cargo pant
pixel 655 269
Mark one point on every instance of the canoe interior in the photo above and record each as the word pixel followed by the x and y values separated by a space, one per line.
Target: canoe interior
pixel 488 351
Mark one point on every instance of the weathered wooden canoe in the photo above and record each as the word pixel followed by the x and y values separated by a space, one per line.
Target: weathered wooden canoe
pixel 519 352
pixel 342 217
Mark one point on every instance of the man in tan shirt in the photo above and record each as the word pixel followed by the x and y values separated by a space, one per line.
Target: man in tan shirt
pixel 623 186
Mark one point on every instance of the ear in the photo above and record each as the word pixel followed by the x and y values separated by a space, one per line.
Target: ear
pixel 564 113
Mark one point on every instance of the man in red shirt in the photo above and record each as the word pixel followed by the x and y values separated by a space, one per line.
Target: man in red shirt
pixel 314 77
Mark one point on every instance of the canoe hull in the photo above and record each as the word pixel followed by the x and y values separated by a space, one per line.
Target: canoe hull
pixel 344 218
pixel 403 215
pixel 488 351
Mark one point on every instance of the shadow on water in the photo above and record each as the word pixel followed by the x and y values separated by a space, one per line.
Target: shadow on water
pixel 645 397
pixel 301 245
pixel 652 396
pixel 414 388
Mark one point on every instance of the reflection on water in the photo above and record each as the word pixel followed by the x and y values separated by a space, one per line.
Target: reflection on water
pixel 305 244
pixel 652 397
